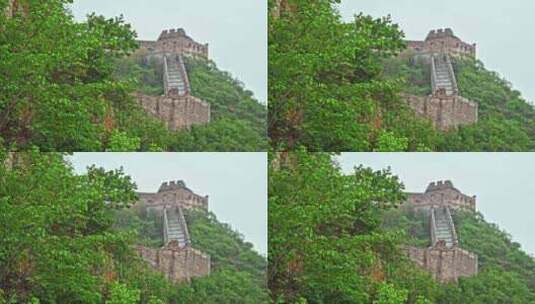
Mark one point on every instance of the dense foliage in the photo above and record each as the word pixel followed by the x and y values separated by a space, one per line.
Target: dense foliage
pixel 58 90
pixel 68 238
pixel 340 239
pixel 57 244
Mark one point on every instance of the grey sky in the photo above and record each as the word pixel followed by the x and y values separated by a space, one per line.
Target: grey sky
pixel 502 182
pixel 235 182
pixel 501 29
pixel 236 30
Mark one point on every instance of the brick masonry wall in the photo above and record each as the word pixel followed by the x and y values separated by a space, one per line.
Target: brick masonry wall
pixel 177 112
pixel 446 264
pixel 442 41
pixel 177 264
pixel 441 194
pixel 445 112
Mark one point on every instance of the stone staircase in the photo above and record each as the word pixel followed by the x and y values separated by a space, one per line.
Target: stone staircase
pixel 442 228
pixel 175 76
pixel 442 75
pixel 175 227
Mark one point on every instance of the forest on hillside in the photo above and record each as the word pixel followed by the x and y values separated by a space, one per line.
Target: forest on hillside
pixel 340 238
pixel 69 238
pixel 338 86
pixel 68 85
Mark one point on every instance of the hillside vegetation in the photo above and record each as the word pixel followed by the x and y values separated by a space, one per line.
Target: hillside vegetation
pixel 338 238
pixel 506 120
pixel 238 272
pixel 238 120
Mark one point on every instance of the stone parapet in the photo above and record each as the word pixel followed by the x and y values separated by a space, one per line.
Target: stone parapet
pixel 441 194
pixel 173 194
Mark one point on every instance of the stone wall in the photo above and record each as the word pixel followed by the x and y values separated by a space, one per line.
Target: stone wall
pixel 177 264
pixel 174 41
pixel 177 112
pixel 441 193
pixel 446 264
pixel 445 112
pixel 442 41
pixel 173 194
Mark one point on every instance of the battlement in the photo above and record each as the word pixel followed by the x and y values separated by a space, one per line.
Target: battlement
pixel 173 34
pixel 442 41
pixel 441 194
pixel 173 194
pixel 174 42
pixel 440 185
pixel 172 185
pixel 440 33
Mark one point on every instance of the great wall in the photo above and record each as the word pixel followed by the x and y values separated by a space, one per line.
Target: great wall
pixel 444 259
pixel 445 108
pixel 177 259
pixel 177 108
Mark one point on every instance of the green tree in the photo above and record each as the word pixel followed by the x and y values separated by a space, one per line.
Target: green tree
pixel 326 90
pixel 325 240
pixel 58 90
pixel 121 294
pixel 56 241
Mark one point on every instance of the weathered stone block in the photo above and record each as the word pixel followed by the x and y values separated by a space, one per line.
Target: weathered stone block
pixel 446 264
pixel 445 112
pixel 173 194
pixel 177 112
pixel 177 264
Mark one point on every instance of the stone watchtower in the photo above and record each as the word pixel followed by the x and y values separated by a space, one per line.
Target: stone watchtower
pixel 442 41
pixel 445 108
pixel 177 259
pixel 443 258
pixel 441 194
pixel 177 108
pixel 173 193
pixel 174 41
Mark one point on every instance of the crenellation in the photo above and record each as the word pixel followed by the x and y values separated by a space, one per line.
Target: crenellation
pixel 441 193
pixel 173 193
pixel 442 41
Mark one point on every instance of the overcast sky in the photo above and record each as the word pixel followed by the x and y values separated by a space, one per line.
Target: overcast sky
pixel 501 29
pixel 236 183
pixel 236 30
pixel 502 182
